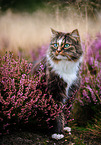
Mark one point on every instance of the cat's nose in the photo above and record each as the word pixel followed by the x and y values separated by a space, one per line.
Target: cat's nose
pixel 58 51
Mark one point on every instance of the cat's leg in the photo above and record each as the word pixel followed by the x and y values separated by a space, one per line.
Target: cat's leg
pixel 67 129
pixel 59 127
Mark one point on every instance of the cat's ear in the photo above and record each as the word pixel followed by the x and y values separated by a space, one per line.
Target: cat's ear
pixel 54 32
pixel 75 34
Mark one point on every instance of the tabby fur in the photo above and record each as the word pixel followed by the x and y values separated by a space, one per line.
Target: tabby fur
pixel 61 67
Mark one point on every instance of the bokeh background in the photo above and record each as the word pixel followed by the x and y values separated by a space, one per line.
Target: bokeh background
pixel 25 25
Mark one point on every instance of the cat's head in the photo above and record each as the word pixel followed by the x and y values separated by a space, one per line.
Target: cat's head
pixel 65 46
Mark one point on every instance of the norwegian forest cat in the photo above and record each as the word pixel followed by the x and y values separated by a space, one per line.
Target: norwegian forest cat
pixel 61 66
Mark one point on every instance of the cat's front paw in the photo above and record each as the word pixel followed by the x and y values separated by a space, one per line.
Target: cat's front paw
pixel 57 136
pixel 68 129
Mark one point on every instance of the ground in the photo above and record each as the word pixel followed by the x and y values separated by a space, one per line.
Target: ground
pixel 32 138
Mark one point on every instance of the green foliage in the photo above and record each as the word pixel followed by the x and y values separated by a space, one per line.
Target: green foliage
pixel 95 129
pixel 84 115
pixel 32 5
pixel 20 5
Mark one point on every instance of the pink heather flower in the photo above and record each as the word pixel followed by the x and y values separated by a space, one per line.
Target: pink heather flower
pixel 85 93
pixel 22 96
pixel 90 73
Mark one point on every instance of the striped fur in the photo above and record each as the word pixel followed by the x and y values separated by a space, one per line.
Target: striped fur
pixel 61 66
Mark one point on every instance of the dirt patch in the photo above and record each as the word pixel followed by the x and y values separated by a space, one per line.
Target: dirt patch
pixel 30 138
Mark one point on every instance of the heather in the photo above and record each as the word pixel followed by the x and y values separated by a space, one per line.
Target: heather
pixel 87 108
pixel 25 103
pixel 91 73
pixel 23 98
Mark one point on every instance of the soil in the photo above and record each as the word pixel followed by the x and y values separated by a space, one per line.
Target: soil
pixel 32 138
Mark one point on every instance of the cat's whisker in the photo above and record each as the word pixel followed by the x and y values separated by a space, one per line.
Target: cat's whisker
pixel 69 57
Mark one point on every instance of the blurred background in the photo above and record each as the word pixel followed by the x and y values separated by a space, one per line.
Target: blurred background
pixel 25 25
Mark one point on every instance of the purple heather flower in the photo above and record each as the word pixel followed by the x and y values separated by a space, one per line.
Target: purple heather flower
pixel 21 95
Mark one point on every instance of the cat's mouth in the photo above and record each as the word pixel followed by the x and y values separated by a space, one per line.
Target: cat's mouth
pixel 60 57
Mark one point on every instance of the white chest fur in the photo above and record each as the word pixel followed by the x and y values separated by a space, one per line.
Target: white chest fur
pixel 67 70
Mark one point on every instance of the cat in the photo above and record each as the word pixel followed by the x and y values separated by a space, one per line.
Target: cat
pixel 61 65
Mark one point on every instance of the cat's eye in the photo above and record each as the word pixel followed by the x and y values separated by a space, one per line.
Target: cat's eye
pixel 55 45
pixel 67 45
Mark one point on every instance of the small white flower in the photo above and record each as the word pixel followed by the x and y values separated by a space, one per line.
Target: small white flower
pixel 57 136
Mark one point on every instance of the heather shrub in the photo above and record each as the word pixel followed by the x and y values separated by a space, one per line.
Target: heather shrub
pixel 24 101
pixel 23 98
pixel 88 104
